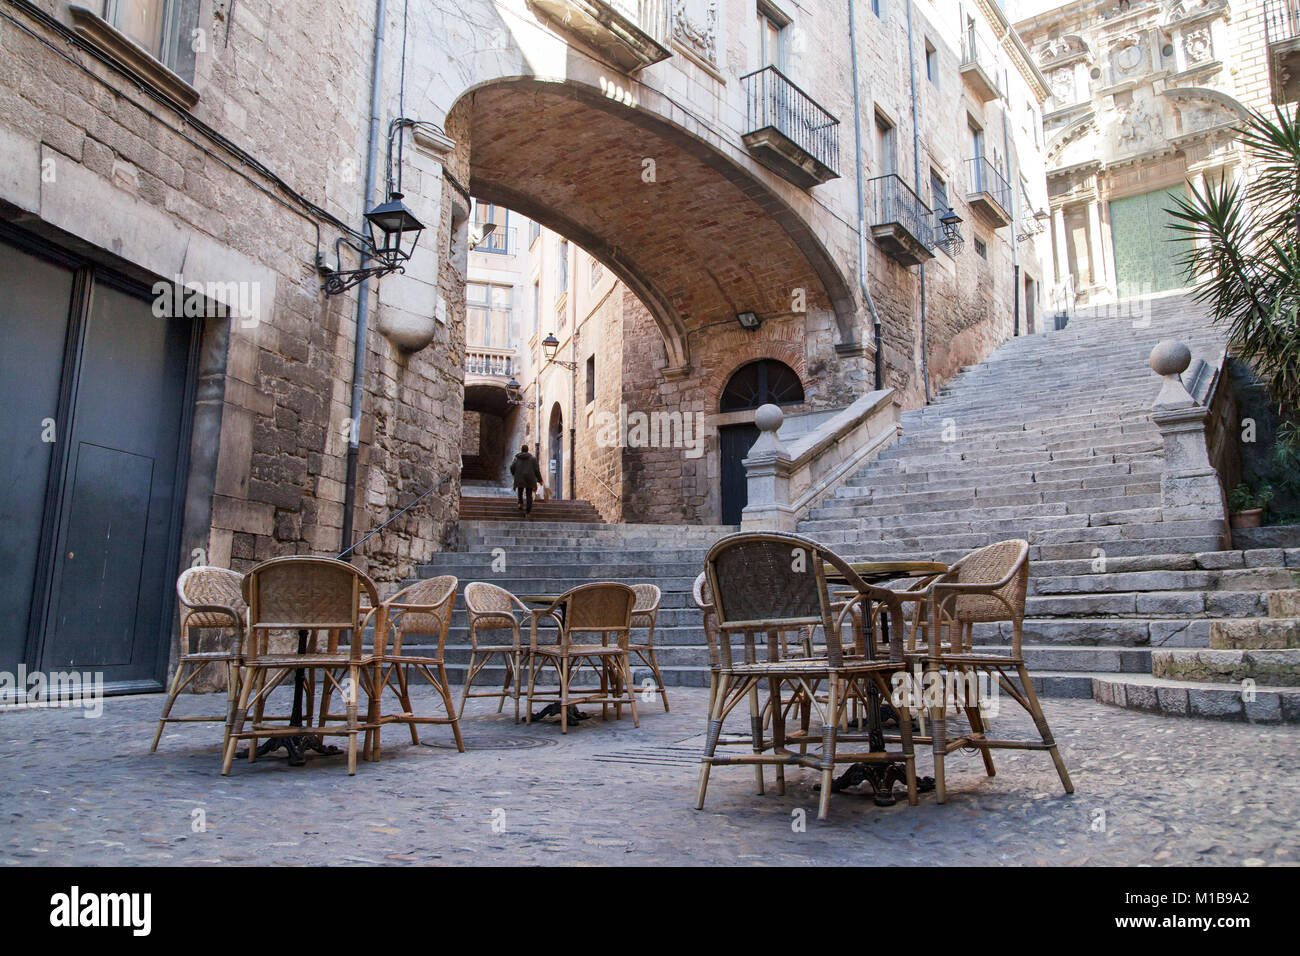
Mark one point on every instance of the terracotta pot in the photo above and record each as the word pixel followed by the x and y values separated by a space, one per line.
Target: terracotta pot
pixel 1251 518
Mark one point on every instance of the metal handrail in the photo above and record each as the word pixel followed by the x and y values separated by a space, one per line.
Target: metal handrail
pixel 975 51
pixel 438 487
pixel 772 99
pixel 617 496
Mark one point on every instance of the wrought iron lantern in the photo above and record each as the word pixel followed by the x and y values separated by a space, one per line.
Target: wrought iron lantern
pixel 393 232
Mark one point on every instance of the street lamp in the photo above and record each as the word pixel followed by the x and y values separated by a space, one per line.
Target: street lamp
pixel 550 345
pixel 514 394
pixel 392 232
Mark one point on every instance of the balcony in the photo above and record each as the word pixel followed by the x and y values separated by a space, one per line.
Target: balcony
pixel 979 67
pixel 788 132
pixel 629 34
pixel 489 363
pixel 990 193
pixel 1282 38
pixel 501 242
pixel 901 224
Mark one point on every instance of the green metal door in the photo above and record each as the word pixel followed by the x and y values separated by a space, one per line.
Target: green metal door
pixel 1146 249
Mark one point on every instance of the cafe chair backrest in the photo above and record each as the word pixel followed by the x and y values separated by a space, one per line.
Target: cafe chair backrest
pixel 306 592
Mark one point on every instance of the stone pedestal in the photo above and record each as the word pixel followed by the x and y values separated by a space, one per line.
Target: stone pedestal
pixel 1189 487
pixel 767 474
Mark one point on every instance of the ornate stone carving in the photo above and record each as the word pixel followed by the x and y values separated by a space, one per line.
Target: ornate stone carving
pixel 1128 57
pixel 1062 86
pixel 1198 46
pixel 695 26
pixel 1139 127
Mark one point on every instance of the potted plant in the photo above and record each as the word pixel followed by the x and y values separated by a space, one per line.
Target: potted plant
pixel 1247 503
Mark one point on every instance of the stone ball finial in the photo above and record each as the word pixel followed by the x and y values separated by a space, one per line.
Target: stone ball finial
pixel 769 417
pixel 1170 357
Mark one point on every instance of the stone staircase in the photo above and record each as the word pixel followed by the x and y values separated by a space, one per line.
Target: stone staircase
pixel 506 508
pixel 1051 440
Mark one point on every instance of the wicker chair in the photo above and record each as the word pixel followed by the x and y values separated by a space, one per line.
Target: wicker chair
pixel 310 595
pixel 423 608
pixel 987 585
pixel 768 583
pixel 491 609
pixel 604 609
pixel 644 615
pixel 209 598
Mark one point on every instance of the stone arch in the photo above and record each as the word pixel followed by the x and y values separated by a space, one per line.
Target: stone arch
pixel 704 238
pixel 785 352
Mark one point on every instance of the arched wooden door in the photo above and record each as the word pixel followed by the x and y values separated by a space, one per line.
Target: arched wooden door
pixel 758 383
pixel 555 466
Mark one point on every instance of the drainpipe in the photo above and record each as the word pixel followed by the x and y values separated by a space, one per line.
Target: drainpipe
pixel 1014 183
pixel 916 162
pixel 862 219
pixel 363 290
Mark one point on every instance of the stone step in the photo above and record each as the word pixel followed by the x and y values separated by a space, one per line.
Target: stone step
pixel 1273 667
pixel 1162 580
pixel 1284 603
pixel 1255 634
pixel 1179 698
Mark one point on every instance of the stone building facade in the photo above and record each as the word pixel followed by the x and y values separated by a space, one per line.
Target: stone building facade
pixel 229 150
pixel 1145 96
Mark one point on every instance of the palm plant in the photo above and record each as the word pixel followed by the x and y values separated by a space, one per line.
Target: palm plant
pixel 1245 253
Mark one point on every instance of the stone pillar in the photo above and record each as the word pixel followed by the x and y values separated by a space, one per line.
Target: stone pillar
pixel 1100 274
pixel 767 477
pixel 1189 486
pixel 1059 240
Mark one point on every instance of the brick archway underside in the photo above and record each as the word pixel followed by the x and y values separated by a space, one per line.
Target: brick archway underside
pixel 701 242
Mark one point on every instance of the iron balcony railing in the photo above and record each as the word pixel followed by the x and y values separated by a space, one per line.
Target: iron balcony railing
pixel 489 361
pixel 975 52
pixel 503 242
pixel 649 16
pixel 893 201
pixel 776 102
pixel 1281 20
pixel 987 178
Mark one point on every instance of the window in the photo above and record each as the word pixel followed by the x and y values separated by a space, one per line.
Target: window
pixel 562 269
pixel 931 63
pixel 537 306
pixel 759 383
pixel 878 8
pixel 938 194
pixel 981 248
pixel 591 379
pixel 159 26
pixel 534 230
pixel 976 139
pixel 885 152
pixel 770 41
pixel 497 240
pixel 597 272
pixel 488 309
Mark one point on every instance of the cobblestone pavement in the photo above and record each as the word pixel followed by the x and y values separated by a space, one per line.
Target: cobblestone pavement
pixel 86 791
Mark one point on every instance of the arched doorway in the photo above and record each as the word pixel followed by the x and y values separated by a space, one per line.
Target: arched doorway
pixel 756 383
pixel 555 464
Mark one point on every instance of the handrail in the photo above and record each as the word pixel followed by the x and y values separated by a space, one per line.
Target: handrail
pixel 617 496
pixel 438 487
pixel 1281 20
pixel 773 99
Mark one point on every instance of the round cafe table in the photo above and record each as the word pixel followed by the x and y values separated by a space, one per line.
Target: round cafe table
pixel 542 601
pixel 882 776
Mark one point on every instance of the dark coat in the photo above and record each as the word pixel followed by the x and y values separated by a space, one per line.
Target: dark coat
pixel 527 473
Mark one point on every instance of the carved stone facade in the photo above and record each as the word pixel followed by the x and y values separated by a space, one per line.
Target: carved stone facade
pixel 1144 100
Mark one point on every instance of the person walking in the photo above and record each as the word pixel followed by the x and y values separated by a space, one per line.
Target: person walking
pixel 527 474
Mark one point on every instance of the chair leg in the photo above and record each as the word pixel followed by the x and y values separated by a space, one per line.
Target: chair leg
pixel 756 728
pixel 469 682
pixel 717 699
pixel 532 681
pixel 241 709
pixel 564 695
pixel 939 736
pixel 977 723
pixel 1036 711
pixel 353 676
pixel 626 681
pixel 778 729
pixel 516 668
pixel 403 683
pixel 505 685
pixel 233 677
pixel 444 688
pixel 829 729
pixel 167 705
